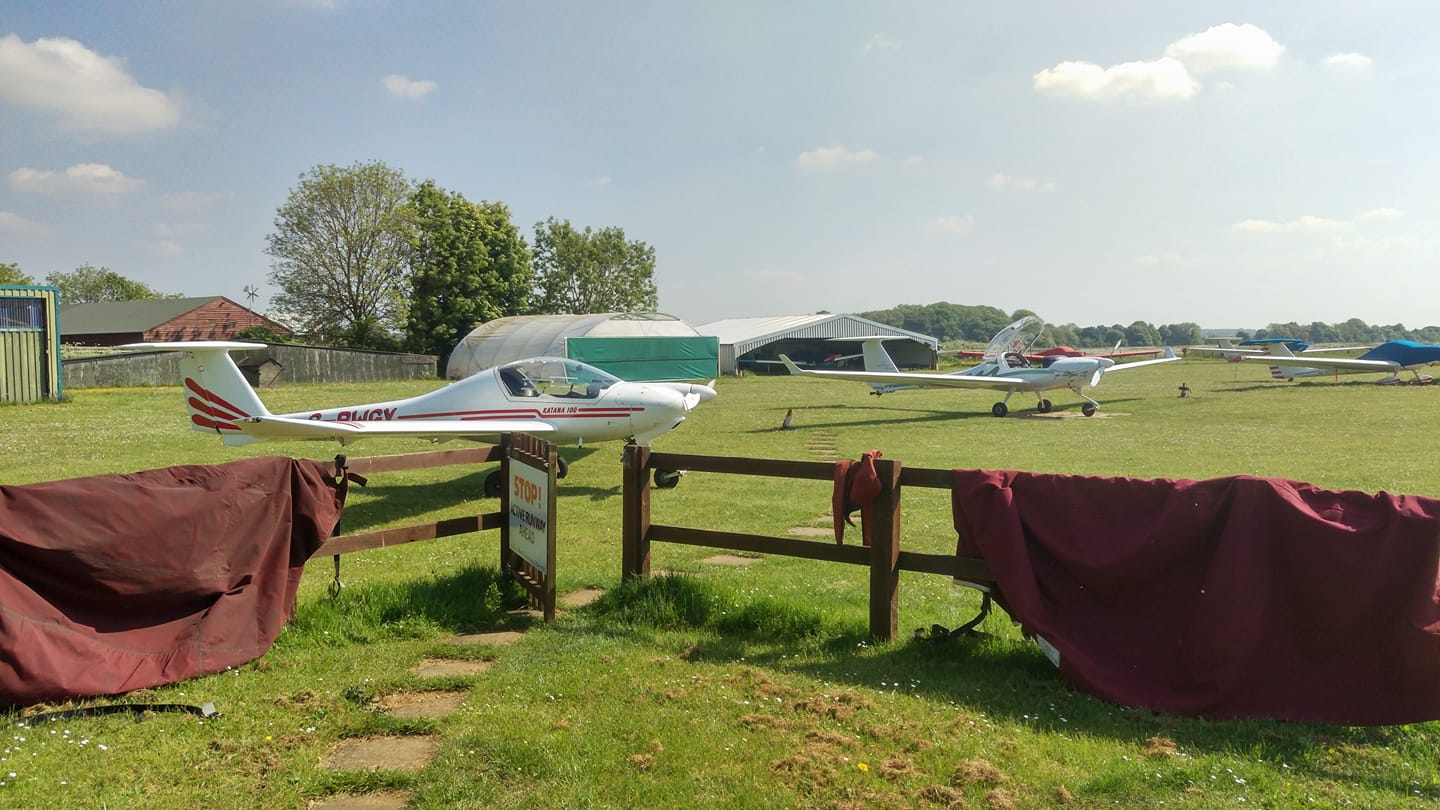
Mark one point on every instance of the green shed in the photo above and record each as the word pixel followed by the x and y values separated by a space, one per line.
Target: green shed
pixel 29 344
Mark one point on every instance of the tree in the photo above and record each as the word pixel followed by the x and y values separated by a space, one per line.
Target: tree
pixel 469 264
pixel 342 244
pixel 594 271
pixel 1141 333
pixel 1187 333
pixel 88 284
pixel 11 274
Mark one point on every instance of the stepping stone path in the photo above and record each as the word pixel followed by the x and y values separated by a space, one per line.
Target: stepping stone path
pixel 581 598
pixel 422 705
pixel 382 753
pixel 371 801
pixel 448 667
pixel 822 445
pixel 413 753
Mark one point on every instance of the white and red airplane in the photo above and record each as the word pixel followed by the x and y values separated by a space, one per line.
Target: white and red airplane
pixel 1003 369
pixel 562 400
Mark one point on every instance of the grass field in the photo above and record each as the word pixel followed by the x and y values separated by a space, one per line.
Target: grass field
pixel 719 686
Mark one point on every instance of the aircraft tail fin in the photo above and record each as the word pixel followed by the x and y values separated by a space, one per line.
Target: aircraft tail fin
pixel 876 358
pixel 217 395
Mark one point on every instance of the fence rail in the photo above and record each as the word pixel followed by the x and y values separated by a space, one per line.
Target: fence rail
pixel 883 556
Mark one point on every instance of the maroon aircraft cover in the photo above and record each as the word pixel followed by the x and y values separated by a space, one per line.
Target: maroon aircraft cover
pixel 1224 598
pixel 119 582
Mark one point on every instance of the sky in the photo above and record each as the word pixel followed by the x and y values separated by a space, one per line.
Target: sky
pixel 1229 164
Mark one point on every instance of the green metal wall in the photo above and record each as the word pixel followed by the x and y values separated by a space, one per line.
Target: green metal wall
pixel 649 358
pixel 29 344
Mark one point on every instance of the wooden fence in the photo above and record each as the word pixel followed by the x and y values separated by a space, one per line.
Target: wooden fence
pixel 884 556
pixel 540 585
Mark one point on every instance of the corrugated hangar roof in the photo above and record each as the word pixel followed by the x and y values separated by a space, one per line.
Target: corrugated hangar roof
pixel 519 336
pixel 747 334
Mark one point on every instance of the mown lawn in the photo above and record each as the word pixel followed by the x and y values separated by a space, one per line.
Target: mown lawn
pixel 725 686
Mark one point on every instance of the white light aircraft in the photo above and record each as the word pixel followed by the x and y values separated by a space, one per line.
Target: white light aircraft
pixel 1004 368
pixel 561 400
pixel 1389 358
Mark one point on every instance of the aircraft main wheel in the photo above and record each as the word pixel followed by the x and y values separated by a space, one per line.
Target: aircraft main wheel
pixel 562 467
pixel 666 479
pixel 494 484
pixel 1045 406
pixel 1088 409
pixel 999 409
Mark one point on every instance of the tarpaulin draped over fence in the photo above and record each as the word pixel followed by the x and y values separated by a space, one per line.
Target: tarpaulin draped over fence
pixel 119 582
pixel 1230 597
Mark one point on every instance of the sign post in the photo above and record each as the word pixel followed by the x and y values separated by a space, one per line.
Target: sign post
pixel 527 536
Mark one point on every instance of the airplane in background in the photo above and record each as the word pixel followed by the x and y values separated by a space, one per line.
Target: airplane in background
pixel 1390 358
pixel 1228 349
pixel 561 400
pixel 1067 351
pixel 1004 368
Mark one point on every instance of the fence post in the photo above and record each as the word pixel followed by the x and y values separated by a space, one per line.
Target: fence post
pixel 635 514
pixel 885 553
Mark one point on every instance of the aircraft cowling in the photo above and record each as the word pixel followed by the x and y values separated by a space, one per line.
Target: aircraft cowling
pixel 664 408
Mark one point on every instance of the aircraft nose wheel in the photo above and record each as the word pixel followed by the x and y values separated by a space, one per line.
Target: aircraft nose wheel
pixel 1045 406
pixel 999 410
pixel 1088 409
pixel 666 479
pixel 494 484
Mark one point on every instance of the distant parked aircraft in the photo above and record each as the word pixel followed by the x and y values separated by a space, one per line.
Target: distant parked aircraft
pixel 1390 358
pixel 1004 368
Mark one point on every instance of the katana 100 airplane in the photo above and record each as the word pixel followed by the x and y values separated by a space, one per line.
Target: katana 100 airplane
pixel 1004 368
pixel 561 400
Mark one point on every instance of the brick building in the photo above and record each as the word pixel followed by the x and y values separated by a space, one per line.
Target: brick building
pixel 118 322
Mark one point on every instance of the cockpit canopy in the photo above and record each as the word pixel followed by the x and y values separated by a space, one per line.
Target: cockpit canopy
pixel 554 377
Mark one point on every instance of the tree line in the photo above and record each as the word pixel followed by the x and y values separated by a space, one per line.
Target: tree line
pixel 977 324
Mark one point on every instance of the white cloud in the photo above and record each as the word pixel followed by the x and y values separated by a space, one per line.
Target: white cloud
pixel 1348 61
pixel 879 42
pixel 1299 224
pixel 90 92
pixel 1312 224
pixel 912 160
pixel 82 178
pixel 952 225
pixel 598 181
pixel 1004 181
pixel 1225 46
pixel 830 157
pixel 14 223
pixel 1159 80
pixel 1170 77
pixel 402 87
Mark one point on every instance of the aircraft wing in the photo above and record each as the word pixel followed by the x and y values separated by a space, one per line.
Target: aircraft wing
pixel 282 427
pixel 901 378
pixel 1344 364
pixel 1168 358
pixel 1230 352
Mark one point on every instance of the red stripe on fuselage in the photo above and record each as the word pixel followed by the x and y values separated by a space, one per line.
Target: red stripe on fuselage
pixel 527 413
